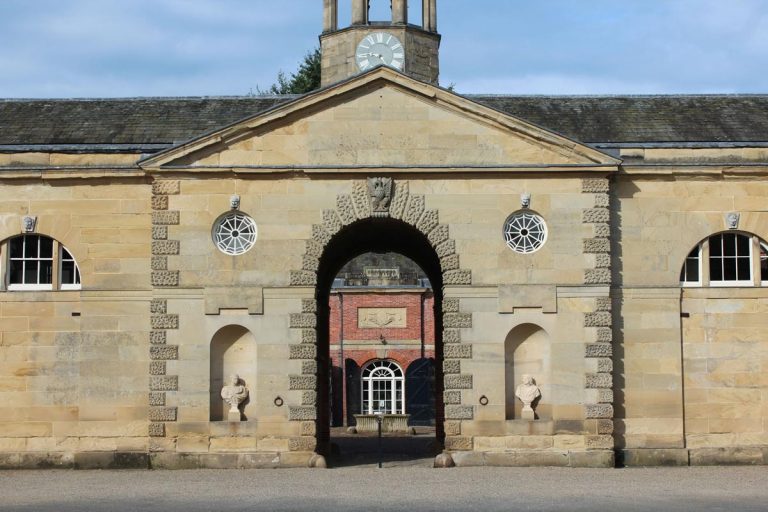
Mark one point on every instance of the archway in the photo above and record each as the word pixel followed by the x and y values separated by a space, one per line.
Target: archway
pixel 378 235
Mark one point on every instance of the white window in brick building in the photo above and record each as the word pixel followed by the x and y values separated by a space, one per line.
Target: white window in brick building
pixel 38 262
pixel 383 391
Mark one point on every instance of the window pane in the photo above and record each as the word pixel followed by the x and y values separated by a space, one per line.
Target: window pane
pixel 17 247
pixel 46 247
pixel 67 272
pixel 742 244
pixel 30 272
pixel 30 246
pixel 729 244
pixel 715 245
pixel 16 272
pixel 744 270
pixel 77 276
pixel 763 263
pixel 729 269
pixel 715 269
pixel 46 272
pixel 692 271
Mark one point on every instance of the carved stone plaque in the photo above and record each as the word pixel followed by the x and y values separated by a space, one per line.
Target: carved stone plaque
pixel 377 318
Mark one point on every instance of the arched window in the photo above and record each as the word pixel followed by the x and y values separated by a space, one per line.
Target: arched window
pixel 727 259
pixel 38 262
pixel 383 388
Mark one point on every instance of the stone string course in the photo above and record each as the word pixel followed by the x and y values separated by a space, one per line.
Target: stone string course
pixel 412 210
pixel 160 321
pixel 600 319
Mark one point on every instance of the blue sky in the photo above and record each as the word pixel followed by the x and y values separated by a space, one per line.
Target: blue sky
pixel 114 48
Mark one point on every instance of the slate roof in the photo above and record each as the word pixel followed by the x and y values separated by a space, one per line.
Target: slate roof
pixel 589 119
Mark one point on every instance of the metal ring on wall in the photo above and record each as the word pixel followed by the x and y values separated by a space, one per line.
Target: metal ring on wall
pixel 483 400
pixel 279 401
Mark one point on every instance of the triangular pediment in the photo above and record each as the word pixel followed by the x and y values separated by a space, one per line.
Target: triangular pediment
pixel 381 119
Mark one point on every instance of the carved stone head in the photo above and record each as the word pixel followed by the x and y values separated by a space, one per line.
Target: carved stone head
pixel 234 202
pixel 525 200
pixel 732 220
pixel 28 223
pixel 527 380
pixel 234 379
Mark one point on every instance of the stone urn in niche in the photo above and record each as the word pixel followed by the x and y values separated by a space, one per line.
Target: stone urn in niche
pixel 234 393
pixel 528 393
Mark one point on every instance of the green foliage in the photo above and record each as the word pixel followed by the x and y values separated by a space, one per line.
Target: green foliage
pixel 306 79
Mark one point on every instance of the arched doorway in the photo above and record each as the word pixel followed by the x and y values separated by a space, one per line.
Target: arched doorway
pixel 374 235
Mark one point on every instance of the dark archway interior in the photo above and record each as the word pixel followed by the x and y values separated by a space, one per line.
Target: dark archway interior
pixel 373 235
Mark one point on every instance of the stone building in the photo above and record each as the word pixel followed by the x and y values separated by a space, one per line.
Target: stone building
pixel 612 248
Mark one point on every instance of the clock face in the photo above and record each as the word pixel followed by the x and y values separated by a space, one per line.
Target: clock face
pixel 380 48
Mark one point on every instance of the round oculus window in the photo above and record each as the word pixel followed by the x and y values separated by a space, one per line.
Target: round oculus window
pixel 525 233
pixel 234 233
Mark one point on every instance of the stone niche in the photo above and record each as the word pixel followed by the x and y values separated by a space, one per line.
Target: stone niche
pixel 527 351
pixel 233 351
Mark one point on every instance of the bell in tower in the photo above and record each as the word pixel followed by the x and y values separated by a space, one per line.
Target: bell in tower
pixel 367 44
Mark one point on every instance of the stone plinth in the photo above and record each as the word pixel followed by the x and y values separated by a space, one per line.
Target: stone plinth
pixel 389 422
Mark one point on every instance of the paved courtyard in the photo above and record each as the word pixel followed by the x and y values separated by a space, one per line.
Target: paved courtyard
pixel 366 488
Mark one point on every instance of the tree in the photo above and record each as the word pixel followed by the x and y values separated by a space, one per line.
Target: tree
pixel 306 79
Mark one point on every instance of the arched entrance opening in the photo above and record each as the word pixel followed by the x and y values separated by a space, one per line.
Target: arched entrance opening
pixel 341 378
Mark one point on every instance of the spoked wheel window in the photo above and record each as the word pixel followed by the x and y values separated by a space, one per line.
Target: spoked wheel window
pixel 525 233
pixel 234 233
pixel 383 388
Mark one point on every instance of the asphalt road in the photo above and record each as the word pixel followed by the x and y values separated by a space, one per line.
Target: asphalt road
pixel 391 489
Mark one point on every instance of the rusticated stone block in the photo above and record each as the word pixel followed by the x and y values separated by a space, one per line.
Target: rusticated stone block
pixel 162 413
pixel 166 187
pixel 159 202
pixel 399 199
pixel 158 338
pixel 428 221
pixel 302 351
pixel 605 365
pixel 164 383
pixel 452 398
pixel 602 200
pixel 302 413
pixel 452 428
pixel 450 305
pixel 599 442
pixel 451 366
pixel 604 335
pixel 302 444
pixel 303 278
pixel 308 428
pixel 597 245
pixel 599 350
pixel 309 337
pixel 158 306
pixel 438 235
pixel 446 248
pixel 605 396
pixel 303 321
pixel 414 210
pixel 598 381
pixel 361 199
pixel 595 216
pixel 346 210
pixel 602 261
pixel 597 276
pixel 601 231
pixel 331 221
pixel 166 218
pixel 605 427
pixel 310 263
pixel 595 186
pixel 164 352
pixel 598 411
pixel 309 398
pixel 302 383
pixel 457 320
pixel 458 381
pixel 459 412
pixel 313 248
pixel 165 278
pixel 159 262
pixel 320 235
pixel 165 247
pixel 159 232
pixel 309 367
pixel 599 319
pixel 459 443
pixel 603 304
pixel 157 399
pixel 156 430
pixel 450 262
pixel 458 351
pixel 157 368
pixel 451 336
pixel 457 277
pixel 165 321
pixel 309 306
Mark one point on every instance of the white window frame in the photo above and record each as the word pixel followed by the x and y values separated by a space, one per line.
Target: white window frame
pixel 733 283
pixel 396 379
pixel 68 286
pixel 56 266
pixel 30 286
pixel 700 270
pixel 762 247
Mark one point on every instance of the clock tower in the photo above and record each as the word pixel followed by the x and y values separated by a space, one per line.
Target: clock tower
pixel 366 44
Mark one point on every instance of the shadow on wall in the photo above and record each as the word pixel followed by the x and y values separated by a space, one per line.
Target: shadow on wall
pixel 233 351
pixel 527 352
